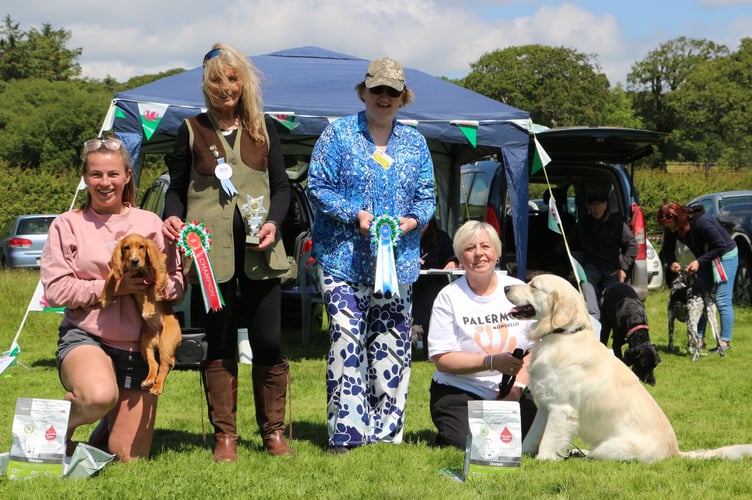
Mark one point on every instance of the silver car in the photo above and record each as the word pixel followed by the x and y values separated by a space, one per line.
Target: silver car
pixel 23 239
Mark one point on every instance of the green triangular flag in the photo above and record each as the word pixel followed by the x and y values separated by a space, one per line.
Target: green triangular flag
pixel 119 113
pixel 151 114
pixel 541 158
pixel 287 120
pixel 469 129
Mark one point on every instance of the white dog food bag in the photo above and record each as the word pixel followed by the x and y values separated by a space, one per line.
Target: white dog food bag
pixel 38 447
pixel 494 443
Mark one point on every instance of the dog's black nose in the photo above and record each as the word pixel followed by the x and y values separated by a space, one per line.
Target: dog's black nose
pixel 506 289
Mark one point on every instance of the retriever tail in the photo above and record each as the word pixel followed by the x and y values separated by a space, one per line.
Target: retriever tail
pixel 734 452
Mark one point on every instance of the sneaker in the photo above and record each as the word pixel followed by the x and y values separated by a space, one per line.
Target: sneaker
pixel 725 346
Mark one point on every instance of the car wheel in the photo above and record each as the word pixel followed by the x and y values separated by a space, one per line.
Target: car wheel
pixel 743 282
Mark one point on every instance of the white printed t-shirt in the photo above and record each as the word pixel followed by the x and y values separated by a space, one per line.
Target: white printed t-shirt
pixel 462 321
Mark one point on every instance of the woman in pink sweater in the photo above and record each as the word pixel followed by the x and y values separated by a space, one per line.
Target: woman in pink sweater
pixel 98 354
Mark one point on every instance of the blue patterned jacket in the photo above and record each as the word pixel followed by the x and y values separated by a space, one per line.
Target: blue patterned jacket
pixel 343 179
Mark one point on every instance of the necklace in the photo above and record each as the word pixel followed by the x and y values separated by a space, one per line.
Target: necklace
pixel 232 126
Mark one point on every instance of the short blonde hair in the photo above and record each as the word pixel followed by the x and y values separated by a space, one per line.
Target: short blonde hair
pixel 469 232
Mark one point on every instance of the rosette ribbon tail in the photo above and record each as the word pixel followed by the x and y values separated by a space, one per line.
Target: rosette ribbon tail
pixel 228 187
pixel 386 231
pixel 194 241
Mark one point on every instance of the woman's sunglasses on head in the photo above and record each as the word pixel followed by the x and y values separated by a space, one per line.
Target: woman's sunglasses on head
pixel 110 143
pixel 385 88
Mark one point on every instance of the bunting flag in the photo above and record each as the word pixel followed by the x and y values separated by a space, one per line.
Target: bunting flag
pixel 541 158
pixel 286 119
pixel 554 220
pixel 119 113
pixel 39 302
pixel 151 114
pixel 578 270
pixel 409 123
pixel 469 129
pixel 109 118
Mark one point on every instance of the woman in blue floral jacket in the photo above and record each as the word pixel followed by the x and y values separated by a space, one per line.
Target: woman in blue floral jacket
pixel 368 167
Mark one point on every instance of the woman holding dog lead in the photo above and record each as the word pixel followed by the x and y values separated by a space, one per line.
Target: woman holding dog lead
pixel 716 258
pixel 98 353
pixel 228 173
pixel 472 338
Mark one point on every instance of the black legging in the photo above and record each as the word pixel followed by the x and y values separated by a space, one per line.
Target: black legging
pixel 257 308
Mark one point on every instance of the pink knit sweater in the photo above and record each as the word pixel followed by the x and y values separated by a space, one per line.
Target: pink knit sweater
pixel 75 264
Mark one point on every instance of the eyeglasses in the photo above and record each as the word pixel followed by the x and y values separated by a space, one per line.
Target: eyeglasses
pixel 211 54
pixel 111 143
pixel 385 88
pixel 667 216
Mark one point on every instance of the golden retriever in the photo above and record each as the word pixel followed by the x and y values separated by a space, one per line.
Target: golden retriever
pixel 161 331
pixel 583 390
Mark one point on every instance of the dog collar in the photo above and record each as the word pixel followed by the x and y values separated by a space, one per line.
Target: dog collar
pixel 573 330
pixel 634 329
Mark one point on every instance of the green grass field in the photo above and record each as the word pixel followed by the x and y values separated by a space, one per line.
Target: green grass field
pixel 707 403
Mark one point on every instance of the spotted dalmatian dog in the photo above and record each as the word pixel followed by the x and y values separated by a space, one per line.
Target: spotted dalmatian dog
pixel 687 305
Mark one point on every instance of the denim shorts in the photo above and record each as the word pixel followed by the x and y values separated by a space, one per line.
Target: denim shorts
pixel 130 367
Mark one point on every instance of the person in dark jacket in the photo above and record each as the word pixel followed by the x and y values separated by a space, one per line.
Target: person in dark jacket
pixel 711 246
pixel 607 244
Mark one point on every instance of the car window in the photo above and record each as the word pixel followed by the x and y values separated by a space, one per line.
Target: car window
pixel 707 204
pixel 37 225
pixel 733 200
pixel 474 195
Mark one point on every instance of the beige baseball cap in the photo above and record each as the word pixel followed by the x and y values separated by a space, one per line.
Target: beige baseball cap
pixel 387 72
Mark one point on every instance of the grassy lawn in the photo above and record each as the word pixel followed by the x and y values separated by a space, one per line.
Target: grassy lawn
pixel 707 403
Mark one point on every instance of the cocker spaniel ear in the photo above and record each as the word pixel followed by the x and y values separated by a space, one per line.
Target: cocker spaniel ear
pixel 116 272
pixel 156 259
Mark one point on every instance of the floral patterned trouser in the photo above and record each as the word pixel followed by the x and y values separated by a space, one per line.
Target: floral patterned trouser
pixel 368 367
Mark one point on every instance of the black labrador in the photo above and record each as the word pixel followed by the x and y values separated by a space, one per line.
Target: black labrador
pixel 624 313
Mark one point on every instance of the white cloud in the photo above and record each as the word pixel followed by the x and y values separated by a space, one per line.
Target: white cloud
pixel 441 37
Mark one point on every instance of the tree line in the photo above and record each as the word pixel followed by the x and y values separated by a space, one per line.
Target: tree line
pixel 695 90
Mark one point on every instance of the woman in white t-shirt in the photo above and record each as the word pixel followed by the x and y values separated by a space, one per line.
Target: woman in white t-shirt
pixel 472 338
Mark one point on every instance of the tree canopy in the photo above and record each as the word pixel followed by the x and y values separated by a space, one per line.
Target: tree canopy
pixel 559 86
pixel 698 91
pixel 36 54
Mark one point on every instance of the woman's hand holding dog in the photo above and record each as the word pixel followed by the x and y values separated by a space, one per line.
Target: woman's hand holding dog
pixel 131 283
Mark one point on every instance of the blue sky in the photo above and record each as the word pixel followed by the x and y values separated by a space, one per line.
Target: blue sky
pixel 441 37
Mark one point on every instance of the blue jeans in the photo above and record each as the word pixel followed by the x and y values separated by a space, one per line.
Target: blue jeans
pixel 724 293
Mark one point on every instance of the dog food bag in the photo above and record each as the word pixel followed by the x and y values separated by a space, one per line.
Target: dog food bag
pixel 494 443
pixel 38 447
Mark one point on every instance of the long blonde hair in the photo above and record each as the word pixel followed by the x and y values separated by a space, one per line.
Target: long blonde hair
pixel 250 107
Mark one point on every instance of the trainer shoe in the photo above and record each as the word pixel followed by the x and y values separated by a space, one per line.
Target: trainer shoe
pixel 725 346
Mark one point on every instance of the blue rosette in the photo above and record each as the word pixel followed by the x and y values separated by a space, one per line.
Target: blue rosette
pixel 385 232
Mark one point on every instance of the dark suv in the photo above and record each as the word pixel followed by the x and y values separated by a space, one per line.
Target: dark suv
pixel 580 158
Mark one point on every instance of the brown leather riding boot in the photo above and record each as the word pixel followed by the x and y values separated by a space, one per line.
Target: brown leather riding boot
pixel 221 386
pixel 270 396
